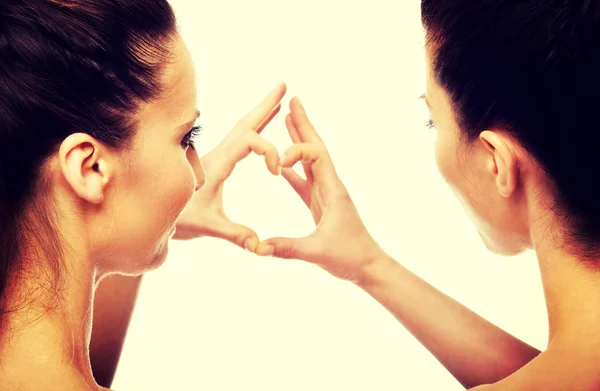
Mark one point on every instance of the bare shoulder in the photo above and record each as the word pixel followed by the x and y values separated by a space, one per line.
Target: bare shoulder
pixel 507 384
pixel 487 387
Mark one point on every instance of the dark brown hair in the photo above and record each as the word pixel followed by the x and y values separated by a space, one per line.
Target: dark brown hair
pixel 530 67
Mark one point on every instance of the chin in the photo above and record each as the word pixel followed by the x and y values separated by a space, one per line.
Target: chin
pixel 507 252
pixel 161 252
pixel 137 260
pixel 506 248
pixel 149 262
pixel 159 258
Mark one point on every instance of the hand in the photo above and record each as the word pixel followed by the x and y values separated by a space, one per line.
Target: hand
pixel 340 243
pixel 205 215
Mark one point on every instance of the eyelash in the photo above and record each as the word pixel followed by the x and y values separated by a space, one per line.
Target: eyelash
pixel 190 138
pixel 430 124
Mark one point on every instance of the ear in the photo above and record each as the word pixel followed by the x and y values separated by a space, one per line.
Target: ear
pixel 84 166
pixel 503 163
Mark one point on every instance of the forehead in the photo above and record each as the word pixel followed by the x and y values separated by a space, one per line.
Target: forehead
pixel 430 79
pixel 437 95
pixel 177 102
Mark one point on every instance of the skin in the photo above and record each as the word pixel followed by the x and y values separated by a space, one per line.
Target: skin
pixel 116 213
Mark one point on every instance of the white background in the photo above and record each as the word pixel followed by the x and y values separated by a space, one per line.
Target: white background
pixel 216 318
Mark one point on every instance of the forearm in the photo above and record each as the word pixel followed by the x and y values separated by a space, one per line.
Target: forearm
pixel 474 350
pixel 113 305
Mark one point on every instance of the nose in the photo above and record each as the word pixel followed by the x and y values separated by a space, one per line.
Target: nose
pixel 200 177
pixel 197 167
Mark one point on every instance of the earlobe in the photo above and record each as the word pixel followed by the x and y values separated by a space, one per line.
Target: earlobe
pixel 504 161
pixel 84 166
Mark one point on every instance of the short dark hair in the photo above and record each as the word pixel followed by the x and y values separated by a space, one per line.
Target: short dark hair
pixel 530 67
pixel 68 66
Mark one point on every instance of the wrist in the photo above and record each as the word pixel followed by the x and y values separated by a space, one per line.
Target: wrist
pixel 377 272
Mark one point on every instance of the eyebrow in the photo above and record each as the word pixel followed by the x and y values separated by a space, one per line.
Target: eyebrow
pixel 190 123
pixel 425 98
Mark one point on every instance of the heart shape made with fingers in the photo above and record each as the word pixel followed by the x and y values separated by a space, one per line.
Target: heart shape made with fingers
pixel 205 214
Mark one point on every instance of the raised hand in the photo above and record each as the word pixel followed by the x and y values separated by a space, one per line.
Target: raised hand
pixel 205 214
pixel 340 243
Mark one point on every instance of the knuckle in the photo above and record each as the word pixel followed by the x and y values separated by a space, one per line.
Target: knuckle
pixel 286 252
pixel 240 237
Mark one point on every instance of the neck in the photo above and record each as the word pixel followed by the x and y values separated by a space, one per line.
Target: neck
pixel 572 292
pixel 48 331
pixel 571 284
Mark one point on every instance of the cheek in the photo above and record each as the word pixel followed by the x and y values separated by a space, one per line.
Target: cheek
pixel 165 185
pixel 175 188
pixel 445 157
pixel 144 203
pixel 480 216
pixel 489 214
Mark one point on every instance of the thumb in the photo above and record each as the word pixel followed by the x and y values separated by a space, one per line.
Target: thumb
pixel 235 233
pixel 289 248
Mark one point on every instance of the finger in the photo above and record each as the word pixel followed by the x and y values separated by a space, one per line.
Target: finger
pixel 289 124
pixel 262 147
pixel 269 119
pixel 235 233
pixel 314 157
pixel 297 183
pixel 306 153
pixel 258 115
pixel 305 129
pixel 295 136
pixel 305 248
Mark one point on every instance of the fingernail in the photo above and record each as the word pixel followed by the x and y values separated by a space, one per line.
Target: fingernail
pixel 299 101
pixel 250 245
pixel 266 251
pixel 282 160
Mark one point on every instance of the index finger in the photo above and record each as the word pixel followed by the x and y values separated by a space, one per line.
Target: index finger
pixel 261 112
pixel 306 130
pixel 313 156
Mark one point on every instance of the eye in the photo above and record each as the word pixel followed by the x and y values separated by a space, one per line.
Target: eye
pixel 430 124
pixel 190 138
